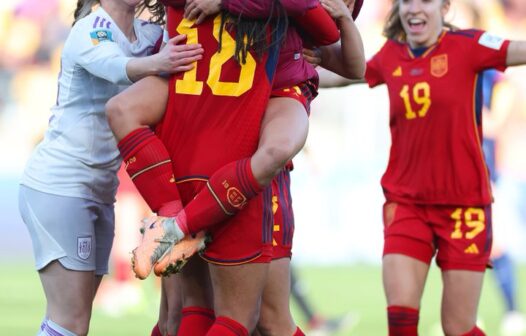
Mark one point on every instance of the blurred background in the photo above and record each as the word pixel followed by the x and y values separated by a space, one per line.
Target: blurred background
pixel 336 191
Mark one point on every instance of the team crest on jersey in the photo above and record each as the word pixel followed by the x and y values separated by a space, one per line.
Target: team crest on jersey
pixel 235 197
pixel 101 35
pixel 84 247
pixel 439 65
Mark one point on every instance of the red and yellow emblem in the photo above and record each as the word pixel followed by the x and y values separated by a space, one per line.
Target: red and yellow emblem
pixel 236 197
pixel 439 65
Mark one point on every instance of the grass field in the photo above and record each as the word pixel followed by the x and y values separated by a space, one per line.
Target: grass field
pixel 334 290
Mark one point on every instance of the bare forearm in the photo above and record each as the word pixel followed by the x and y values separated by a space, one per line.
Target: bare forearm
pixel 138 68
pixel 346 59
pixel 516 53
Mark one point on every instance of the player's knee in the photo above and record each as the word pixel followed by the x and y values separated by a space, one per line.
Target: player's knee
pixel 115 111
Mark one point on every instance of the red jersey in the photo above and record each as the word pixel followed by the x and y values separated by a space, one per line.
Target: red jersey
pixel 435 117
pixel 214 111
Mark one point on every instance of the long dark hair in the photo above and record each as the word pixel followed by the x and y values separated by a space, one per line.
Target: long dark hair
pixel 251 34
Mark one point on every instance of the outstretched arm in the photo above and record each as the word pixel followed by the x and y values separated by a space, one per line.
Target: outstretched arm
pixel 516 53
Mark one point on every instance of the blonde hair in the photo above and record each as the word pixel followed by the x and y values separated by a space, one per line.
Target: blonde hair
pixel 84 8
pixel 393 28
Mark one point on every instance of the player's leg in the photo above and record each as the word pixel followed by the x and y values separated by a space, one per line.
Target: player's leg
pixel 460 301
pixel 237 297
pixel 275 317
pixel 464 241
pixel 69 298
pixel 197 314
pixel 68 255
pixel 284 131
pixel 170 306
pixel 148 163
pixel 404 279
pixel 407 253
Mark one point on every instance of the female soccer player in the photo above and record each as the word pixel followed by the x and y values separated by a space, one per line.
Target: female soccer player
pixel 438 196
pixel 68 187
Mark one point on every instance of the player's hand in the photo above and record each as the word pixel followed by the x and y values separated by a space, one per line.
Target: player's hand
pixel 198 10
pixel 176 56
pixel 313 56
pixel 338 9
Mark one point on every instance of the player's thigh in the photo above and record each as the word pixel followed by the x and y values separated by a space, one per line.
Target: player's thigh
pixel 460 300
pixel 68 229
pixel 404 278
pixel 408 249
pixel 143 103
pixel 285 124
pixel 238 290
pixel 196 287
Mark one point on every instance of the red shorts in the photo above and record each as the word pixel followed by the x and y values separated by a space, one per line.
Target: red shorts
pixel 283 223
pixel 461 237
pixel 304 93
pixel 258 233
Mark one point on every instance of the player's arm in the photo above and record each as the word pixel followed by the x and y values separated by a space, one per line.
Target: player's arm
pixel 173 57
pixel 347 58
pixel 255 9
pixel 96 51
pixel 516 53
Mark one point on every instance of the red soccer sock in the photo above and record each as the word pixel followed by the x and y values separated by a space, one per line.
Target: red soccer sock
pixel 156 331
pixel 195 321
pixel 298 332
pixel 227 192
pixel 150 168
pixel 474 332
pixel 403 321
pixel 224 326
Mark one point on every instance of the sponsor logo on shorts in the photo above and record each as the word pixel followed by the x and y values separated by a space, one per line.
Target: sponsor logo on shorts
pixel 472 249
pixel 84 247
pixel 235 197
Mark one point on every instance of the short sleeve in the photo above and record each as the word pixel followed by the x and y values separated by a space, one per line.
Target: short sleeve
pixel 488 51
pixel 373 72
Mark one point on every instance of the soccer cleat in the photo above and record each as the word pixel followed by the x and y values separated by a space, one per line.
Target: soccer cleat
pixel 159 234
pixel 179 254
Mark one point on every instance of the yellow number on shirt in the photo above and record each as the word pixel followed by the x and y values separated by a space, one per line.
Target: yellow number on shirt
pixel 189 83
pixel 474 218
pixel 421 95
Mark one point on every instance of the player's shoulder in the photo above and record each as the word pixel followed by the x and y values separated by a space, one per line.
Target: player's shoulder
pixel 480 37
pixel 464 34
pixel 148 30
pixel 98 27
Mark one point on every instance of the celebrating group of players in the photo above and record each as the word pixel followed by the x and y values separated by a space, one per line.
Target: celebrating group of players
pixel 207 132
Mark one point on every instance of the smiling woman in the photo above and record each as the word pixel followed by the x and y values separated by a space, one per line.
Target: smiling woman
pixel 438 195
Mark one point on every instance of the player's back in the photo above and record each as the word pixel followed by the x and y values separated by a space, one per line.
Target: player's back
pixel 215 110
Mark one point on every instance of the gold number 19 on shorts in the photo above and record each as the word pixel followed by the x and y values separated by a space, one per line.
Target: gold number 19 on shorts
pixel 473 218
